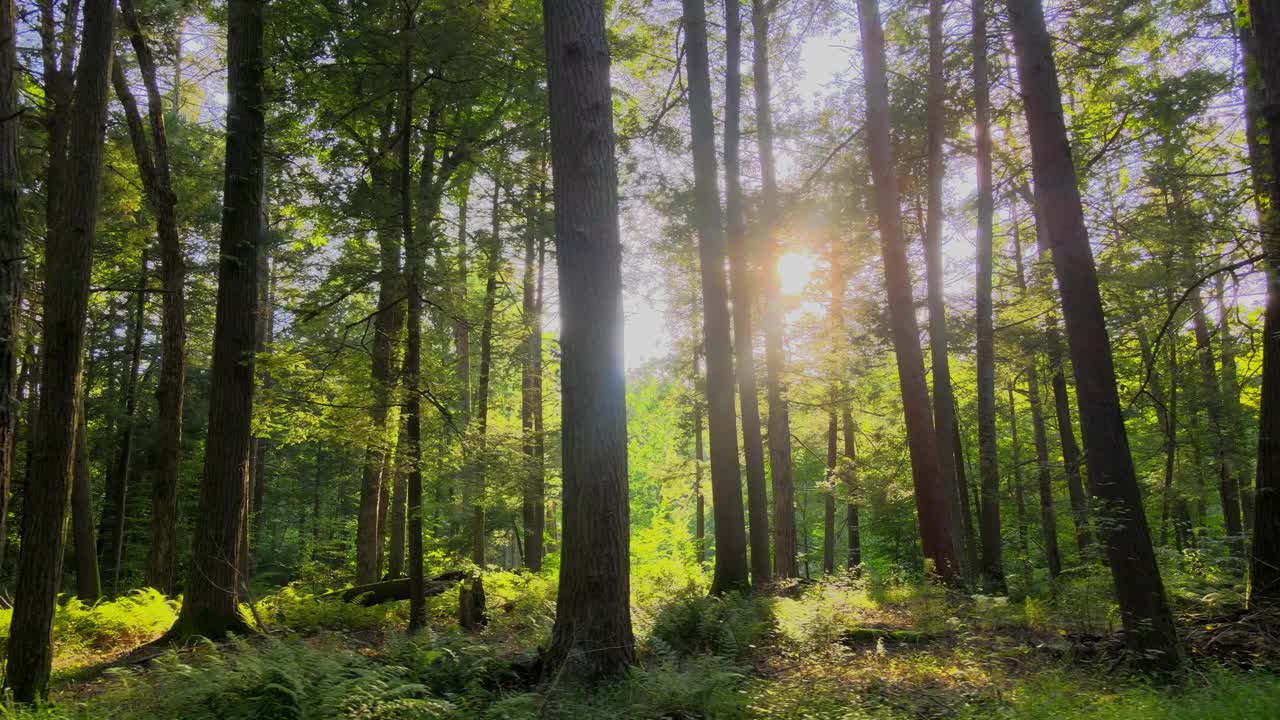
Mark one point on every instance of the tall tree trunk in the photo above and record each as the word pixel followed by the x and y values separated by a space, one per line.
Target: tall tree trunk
pixel 11 260
pixel 471 598
pixel 1019 500
pixel 1264 565
pixel 1166 416
pixel 726 486
pixel 73 202
pixel 932 504
pixel 210 606
pixel 784 492
pixel 854 559
pixel 1233 416
pixel 962 489
pixel 88 579
pixel 743 294
pixel 1148 625
pixel 260 445
pixel 534 505
pixel 943 396
pixel 152 154
pixel 593 617
pixel 399 494
pixel 387 323
pixel 700 457
pixel 992 562
pixel 111 525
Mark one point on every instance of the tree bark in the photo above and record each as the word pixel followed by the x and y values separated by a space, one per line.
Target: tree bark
pixel 726 486
pixel 743 293
pixel 1148 624
pixel 73 204
pixel 592 632
pixel 932 504
pixel 1264 562
pixel 988 470
pixel 11 260
pixel 784 493
pixel 699 457
pixel 533 506
pixel 829 497
pixel 943 395
pixel 210 606
pixel 88 579
pixel 1214 402
pixel 387 323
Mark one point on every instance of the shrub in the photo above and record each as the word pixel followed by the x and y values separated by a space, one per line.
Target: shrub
pixel 730 626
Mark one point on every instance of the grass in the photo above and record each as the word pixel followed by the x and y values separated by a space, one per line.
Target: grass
pixel 834 651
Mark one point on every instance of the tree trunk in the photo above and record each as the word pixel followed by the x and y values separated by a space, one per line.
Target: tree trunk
pixel 592 630
pixel 88 579
pixel 152 154
pixel 988 471
pixel 962 489
pixel 1233 416
pixel 943 395
pixel 1214 402
pixel 73 203
pixel 1264 566
pixel 700 457
pixel 210 606
pixel 854 559
pixel 784 492
pixel 533 507
pixel 932 504
pixel 259 446
pixel 471 599
pixel 114 506
pixel 387 323
pixel 11 261
pixel 742 295
pixel 1020 503
pixel 1148 625
pixel 726 486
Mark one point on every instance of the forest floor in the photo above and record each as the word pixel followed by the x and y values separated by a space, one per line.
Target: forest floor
pixel 837 650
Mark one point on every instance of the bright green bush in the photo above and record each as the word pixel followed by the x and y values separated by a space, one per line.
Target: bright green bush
pixel 730 626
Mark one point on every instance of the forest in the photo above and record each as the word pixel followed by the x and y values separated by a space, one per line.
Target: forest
pixel 643 359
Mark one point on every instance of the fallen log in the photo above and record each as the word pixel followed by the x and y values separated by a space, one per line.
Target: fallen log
pixel 395 589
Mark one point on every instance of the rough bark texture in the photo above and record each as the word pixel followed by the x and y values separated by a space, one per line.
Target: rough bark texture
pixel 88 579
pixel 742 295
pixel 74 205
pixel 1147 622
pixel 11 263
pixel 592 634
pixel 1264 565
pixel 992 570
pixel 1019 500
pixel 722 421
pixel 784 492
pixel 944 417
pixel 932 504
pixel 210 606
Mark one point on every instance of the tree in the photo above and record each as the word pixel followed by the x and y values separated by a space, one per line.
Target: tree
pixel 73 204
pixel 742 295
pixel 854 560
pixel 592 632
pixel 533 500
pixel 932 504
pixel 1147 622
pixel 784 513
pixel 88 579
pixel 210 605
pixel 1264 565
pixel 726 490
pixel 12 266
pixel 151 151
pixel 943 394
pixel 992 562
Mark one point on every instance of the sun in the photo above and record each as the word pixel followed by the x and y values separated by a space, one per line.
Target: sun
pixel 794 272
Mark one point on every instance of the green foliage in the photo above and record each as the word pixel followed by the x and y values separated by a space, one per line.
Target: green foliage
pixel 730 626
pixel 82 632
